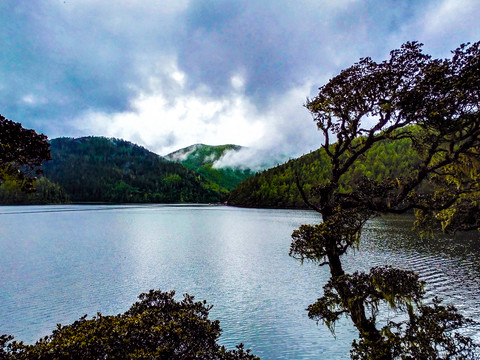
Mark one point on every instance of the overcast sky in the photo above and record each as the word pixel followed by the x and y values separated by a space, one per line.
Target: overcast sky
pixel 168 74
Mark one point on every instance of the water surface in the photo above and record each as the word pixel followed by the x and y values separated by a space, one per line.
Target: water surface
pixel 61 262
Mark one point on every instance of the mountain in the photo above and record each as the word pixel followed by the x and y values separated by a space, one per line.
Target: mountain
pixel 98 169
pixel 201 159
pixel 276 187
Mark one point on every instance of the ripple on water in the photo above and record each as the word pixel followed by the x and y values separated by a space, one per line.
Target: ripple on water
pixel 60 264
pixel 449 266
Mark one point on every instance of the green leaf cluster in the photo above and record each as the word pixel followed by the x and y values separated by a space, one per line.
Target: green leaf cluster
pixel 22 151
pixel 156 327
pixel 43 192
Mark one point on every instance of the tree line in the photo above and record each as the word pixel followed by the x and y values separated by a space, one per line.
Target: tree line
pixel 97 169
pixel 277 187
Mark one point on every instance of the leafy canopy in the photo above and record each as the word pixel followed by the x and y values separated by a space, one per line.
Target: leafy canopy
pixel 156 327
pixel 22 151
pixel 433 105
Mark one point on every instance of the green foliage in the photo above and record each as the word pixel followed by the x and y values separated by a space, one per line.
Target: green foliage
pixel 96 169
pixel 201 158
pixel 43 192
pixel 156 327
pixel 429 333
pixel 399 288
pixel 418 120
pixel 12 189
pixel 277 188
pixel 22 151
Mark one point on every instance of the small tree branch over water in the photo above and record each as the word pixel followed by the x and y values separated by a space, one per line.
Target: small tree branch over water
pixel 434 105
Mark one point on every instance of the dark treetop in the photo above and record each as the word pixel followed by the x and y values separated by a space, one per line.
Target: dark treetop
pixel 22 151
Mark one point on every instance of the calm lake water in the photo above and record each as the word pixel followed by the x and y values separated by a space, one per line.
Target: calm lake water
pixel 61 262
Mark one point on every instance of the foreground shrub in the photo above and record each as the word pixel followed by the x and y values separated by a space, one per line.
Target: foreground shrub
pixel 156 327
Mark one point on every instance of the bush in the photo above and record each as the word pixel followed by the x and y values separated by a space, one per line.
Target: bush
pixel 156 327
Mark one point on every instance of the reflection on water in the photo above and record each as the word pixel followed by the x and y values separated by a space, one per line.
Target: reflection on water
pixel 61 262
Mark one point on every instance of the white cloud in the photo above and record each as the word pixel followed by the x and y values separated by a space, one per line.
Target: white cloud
pixel 32 100
pixel 252 158
pixel 238 82
pixel 450 16
pixel 442 26
pixel 165 125
pixel 179 77
pixel 183 154
pixel 165 122
pixel 207 72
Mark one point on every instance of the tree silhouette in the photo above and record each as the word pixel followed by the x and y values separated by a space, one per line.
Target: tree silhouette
pixel 434 105
pixel 22 151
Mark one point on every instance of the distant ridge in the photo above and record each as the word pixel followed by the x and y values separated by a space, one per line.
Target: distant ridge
pixel 202 158
pixel 201 154
pixel 113 170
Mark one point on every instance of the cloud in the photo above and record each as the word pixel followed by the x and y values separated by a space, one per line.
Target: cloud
pixel 166 124
pixel 78 56
pixel 452 17
pixel 183 153
pixel 249 158
pixel 272 42
pixel 173 73
pixel 441 26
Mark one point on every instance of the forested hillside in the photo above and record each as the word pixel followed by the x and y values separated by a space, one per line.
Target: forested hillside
pixel 44 192
pixel 276 187
pixel 201 158
pixel 97 169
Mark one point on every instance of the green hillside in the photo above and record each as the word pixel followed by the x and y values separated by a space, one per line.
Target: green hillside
pixel 97 169
pixel 201 159
pixel 45 192
pixel 276 187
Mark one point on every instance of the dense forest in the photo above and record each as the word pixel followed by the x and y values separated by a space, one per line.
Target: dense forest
pixel 277 188
pixel 201 159
pixel 97 169
pixel 44 192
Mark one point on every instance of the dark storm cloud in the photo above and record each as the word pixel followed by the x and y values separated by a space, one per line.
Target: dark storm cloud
pixel 277 45
pixel 60 60
pixel 41 64
pixel 263 41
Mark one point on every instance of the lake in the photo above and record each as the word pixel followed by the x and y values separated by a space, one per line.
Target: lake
pixel 61 262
